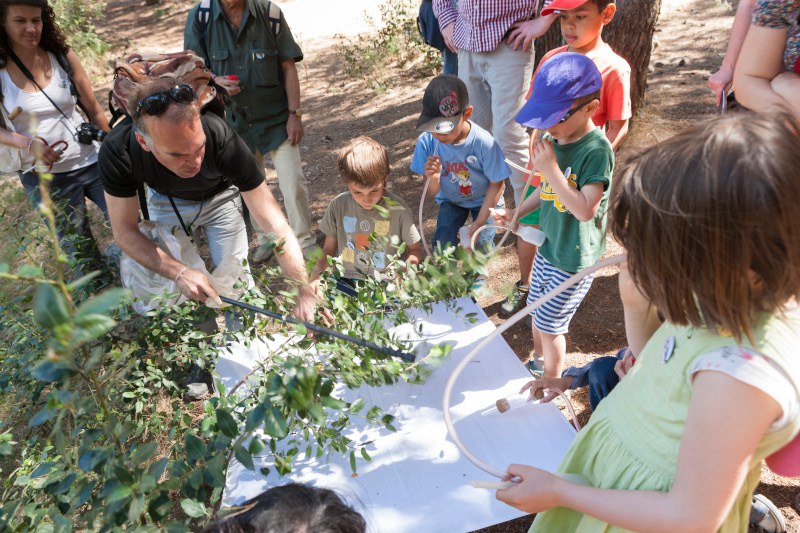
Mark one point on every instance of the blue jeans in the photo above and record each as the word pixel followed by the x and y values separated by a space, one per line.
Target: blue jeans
pixel 602 378
pixel 451 217
pixel 69 191
pixel 221 219
pixel 449 62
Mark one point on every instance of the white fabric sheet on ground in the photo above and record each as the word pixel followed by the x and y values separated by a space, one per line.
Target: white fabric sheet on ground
pixel 418 480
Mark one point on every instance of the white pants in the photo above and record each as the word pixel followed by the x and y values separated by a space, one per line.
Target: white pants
pixel 497 82
pixel 294 188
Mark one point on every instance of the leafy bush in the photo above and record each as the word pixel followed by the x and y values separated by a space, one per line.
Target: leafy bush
pixel 395 42
pixel 95 434
pixel 76 19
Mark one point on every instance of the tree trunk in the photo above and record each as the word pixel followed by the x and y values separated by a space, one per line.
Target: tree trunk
pixel 630 34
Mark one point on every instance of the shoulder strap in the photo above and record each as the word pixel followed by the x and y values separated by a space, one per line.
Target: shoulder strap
pixel 28 75
pixel 203 18
pixel 274 17
pixel 73 89
pixel 137 169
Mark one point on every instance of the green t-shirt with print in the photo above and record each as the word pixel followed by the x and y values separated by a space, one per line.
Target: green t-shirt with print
pixel 572 245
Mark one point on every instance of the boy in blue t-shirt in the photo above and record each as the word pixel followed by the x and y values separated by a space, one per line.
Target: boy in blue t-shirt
pixel 463 163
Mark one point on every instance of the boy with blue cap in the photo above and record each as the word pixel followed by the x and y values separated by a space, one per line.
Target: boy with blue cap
pixel 575 162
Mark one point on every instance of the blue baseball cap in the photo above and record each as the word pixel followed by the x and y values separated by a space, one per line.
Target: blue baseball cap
pixel 560 81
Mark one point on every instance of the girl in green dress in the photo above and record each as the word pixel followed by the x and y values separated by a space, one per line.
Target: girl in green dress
pixel 711 222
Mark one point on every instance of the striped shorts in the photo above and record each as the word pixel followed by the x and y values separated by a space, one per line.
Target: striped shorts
pixel 554 315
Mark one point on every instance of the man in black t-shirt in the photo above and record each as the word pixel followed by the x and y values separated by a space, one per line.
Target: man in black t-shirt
pixel 201 166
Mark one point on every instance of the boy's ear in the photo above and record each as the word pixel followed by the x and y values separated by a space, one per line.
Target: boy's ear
pixel 608 12
pixel 468 112
pixel 592 106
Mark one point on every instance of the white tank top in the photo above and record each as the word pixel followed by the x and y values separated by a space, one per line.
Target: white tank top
pixel 39 117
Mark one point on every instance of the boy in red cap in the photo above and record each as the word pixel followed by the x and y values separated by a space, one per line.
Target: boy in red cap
pixel 582 23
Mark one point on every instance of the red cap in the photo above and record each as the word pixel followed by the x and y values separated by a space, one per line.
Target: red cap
pixel 233 77
pixel 562 5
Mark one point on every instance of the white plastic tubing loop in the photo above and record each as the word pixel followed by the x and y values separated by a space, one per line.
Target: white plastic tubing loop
pixel 448 389
pixel 511 225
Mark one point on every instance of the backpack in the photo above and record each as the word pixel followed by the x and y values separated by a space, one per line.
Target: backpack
pixel 185 66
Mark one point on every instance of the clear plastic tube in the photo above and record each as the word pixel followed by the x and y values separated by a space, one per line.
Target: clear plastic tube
pixel 519 315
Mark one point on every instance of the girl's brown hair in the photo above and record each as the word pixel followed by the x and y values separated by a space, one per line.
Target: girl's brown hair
pixel 711 221
pixel 52 38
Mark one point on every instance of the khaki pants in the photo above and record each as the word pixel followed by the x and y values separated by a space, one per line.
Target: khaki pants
pixel 294 188
pixel 497 82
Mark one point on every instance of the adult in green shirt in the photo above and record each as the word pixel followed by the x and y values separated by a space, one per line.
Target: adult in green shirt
pixel 252 53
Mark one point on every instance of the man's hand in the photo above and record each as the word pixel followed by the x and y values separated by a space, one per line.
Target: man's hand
pixel 538 386
pixel 543 155
pixel 433 168
pixel 229 83
pixel 196 286
pixel 306 303
pixel 447 33
pixel 294 129
pixel 521 34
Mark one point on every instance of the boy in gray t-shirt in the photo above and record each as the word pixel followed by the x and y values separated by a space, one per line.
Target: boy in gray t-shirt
pixel 351 218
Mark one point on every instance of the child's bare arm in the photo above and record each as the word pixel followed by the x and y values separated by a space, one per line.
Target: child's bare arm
pixel 329 248
pixel 414 253
pixel 727 419
pixel 616 132
pixel 493 194
pixel 433 173
pixel 583 203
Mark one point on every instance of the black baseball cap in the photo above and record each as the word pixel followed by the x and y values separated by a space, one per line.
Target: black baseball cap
pixel 444 102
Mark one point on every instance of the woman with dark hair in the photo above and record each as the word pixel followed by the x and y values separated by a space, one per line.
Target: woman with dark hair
pixel 43 77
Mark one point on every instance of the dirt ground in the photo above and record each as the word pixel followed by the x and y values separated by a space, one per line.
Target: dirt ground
pixel 689 44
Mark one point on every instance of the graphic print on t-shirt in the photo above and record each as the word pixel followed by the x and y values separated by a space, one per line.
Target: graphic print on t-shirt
pixel 358 250
pixel 458 172
pixel 546 191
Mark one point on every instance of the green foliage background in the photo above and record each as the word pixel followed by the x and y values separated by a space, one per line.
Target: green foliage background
pixel 94 433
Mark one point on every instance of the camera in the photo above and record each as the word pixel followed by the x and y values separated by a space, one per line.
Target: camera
pixel 88 132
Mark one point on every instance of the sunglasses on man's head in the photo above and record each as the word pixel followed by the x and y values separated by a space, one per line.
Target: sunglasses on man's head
pixel 157 103
pixel 572 112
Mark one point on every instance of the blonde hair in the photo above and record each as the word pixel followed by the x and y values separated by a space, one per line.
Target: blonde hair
pixel 364 161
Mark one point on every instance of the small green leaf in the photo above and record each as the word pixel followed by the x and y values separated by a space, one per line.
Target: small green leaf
pixel 144 452
pixel 193 508
pixel 365 455
pixel 101 303
pixel 227 424
pixel 357 405
pixel 52 371
pixel 119 493
pixel 255 418
pixel 353 461
pixel 244 457
pixel 195 447
pixel 275 424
